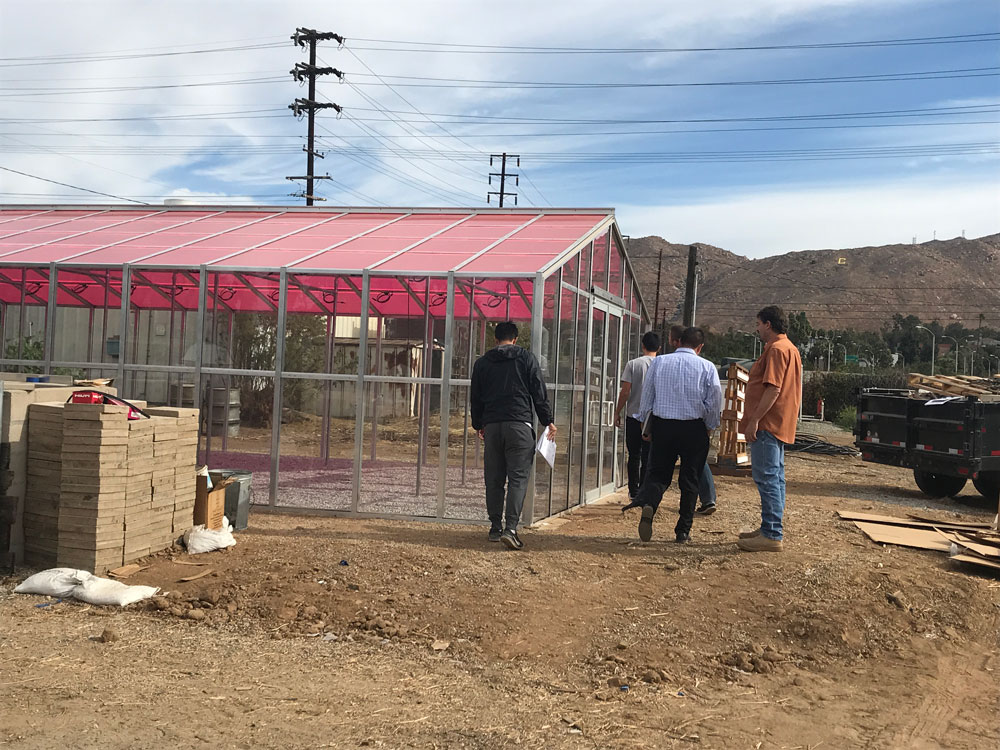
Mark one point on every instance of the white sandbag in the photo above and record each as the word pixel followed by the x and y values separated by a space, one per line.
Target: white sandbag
pixel 96 590
pixel 58 582
pixel 198 539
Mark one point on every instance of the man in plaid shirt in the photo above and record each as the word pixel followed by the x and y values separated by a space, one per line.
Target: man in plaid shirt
pixel 682 400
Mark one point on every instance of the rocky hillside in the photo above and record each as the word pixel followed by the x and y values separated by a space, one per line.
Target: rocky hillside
pixel 953 280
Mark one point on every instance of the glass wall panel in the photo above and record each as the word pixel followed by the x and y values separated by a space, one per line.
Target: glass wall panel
pixel 586 264
pixel 571 271
pixel 548 358
pixel 235 436
pixel 323 324
pixel 25 292
pixel 616 266
pixel 399 470
pixel 599 276
pixel 465 491
pixel 241 321
pixel 316 468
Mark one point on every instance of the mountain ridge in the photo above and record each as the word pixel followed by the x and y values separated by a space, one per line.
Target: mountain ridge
pixel 954 280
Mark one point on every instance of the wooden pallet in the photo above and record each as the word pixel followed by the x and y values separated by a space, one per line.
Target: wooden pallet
pixel 955 385
pixel 733 454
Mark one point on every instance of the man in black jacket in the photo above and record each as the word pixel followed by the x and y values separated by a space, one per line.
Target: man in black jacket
pixel 507 391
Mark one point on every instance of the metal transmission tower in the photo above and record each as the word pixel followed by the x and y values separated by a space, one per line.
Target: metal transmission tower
pixel 503 175
pixel 307 107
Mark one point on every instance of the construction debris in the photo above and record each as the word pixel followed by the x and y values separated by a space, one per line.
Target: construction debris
pixel 976 544
pixel 955 385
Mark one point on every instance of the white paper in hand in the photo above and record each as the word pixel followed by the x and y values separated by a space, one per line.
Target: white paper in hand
pixel 547 448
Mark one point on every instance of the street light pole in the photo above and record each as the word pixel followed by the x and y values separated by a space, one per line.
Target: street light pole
pixel 956 350
pixel 933 345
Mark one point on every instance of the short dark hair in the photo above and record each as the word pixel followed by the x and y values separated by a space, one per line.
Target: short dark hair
pixel 676 331
pixel 776 317
pixel 692 337
pixel 506 331
pixel 651 341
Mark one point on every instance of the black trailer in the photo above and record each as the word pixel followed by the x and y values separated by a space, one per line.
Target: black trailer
pixel 945 440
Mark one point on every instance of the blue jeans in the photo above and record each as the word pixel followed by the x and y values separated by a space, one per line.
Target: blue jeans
pixel 767 458
pixel 706 487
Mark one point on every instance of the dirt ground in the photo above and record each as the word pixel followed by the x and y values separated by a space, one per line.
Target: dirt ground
pixel 326 632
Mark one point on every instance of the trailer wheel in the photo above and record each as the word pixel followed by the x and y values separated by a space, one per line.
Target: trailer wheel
pixel 938 485
pixel 988 486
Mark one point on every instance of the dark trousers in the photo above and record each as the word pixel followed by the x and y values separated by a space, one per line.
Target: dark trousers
pixel 507 455
pixel 673 439
pixel 638 455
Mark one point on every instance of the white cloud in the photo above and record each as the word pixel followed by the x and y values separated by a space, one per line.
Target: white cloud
pixel 779 221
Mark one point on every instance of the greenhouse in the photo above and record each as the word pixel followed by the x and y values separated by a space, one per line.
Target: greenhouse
pixel 329 349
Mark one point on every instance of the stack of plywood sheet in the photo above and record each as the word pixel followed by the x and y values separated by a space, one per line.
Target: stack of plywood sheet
pixel 92 498
pixel 104 490
pixel 140 518
pixel 43 483
pixel 17 396
pixel 178 440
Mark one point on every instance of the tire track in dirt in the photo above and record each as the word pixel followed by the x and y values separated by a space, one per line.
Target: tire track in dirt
pixel 952 687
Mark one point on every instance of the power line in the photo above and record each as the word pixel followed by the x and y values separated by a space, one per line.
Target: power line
pixel 31 62
pixel 926 75
pixel 411 105
pixel 422 46
pixel 74 187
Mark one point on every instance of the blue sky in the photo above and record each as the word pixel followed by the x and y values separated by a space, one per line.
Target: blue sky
pixel 751 190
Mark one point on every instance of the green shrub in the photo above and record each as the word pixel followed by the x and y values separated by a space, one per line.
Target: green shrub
pixel 839 390
pixel 845 417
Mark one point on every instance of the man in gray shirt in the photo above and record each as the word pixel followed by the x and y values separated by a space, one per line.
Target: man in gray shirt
pixel 629 398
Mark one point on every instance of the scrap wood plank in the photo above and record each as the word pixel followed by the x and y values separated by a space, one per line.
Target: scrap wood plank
pixel 195 577
pixel 905 537
pixel 849 515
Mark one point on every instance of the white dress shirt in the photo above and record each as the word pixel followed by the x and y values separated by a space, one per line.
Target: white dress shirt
pixel 682 385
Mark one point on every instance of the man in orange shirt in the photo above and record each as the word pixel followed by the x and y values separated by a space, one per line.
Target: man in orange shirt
pixel 770 415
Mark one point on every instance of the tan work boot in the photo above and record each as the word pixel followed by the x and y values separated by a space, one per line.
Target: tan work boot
pixel 759 544
pixel 749 534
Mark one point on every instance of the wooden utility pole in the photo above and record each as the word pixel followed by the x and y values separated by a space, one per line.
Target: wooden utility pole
pixel 301 72
pixel 656 311
pixel 503 174
pixel 691 287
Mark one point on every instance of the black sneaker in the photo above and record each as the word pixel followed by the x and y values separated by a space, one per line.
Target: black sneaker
pixel 511 539
pixel 495 532
pixel 682 538
pixel 706 510
pixel 646 523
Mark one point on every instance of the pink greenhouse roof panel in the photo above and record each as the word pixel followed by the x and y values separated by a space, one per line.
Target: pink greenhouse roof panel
pixel 143 237
pixel 23 223
pixel 81 248
pixel 314 237
pixel 195 244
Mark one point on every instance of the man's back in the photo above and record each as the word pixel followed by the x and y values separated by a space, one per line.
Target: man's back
pixel 682 385
pixel 507 386
pixel 635 373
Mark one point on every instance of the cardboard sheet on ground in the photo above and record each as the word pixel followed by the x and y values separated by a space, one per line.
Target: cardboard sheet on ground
pixel 927 518
pixel 905 537
pixel 850 515
pixel 547 448
pixel 974 560
pixel 984 550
